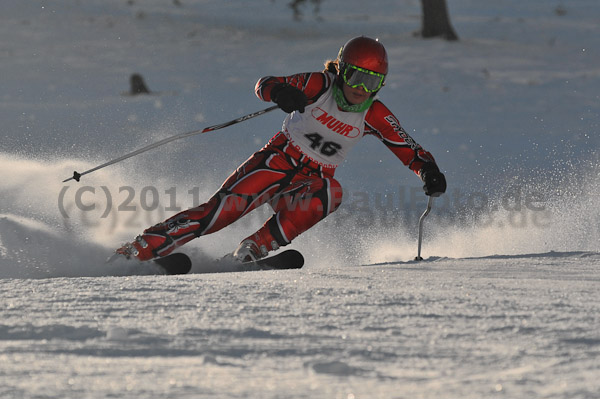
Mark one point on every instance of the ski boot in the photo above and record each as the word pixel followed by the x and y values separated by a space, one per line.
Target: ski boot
pixel 144 246
pixel 161 239
pixel 256 246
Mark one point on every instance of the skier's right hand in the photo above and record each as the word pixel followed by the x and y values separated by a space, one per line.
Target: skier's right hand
pixel 288 97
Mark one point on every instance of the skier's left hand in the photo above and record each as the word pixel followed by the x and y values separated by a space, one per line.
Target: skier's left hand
pixel 435 181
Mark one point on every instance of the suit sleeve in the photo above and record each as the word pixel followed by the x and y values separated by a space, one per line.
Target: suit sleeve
pixel 313 84
pixel 382 123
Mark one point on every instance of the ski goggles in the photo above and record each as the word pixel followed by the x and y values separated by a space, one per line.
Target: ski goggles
pixel 356 76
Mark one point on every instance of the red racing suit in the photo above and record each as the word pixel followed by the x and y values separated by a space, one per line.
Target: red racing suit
pixel 294 171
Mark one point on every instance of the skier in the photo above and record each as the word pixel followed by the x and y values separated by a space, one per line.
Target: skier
pixel 328 113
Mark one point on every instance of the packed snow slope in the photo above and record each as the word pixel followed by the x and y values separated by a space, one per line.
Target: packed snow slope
pixel 506 303
pixel 511 327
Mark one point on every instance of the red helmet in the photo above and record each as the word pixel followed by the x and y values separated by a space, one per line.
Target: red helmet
pixel 366 53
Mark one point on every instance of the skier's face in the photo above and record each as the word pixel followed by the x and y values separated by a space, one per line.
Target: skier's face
pixel 355 95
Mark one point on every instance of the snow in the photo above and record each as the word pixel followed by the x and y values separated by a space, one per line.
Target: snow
pixel 505 304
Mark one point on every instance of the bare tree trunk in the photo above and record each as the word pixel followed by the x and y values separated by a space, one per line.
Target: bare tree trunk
pixel 436 21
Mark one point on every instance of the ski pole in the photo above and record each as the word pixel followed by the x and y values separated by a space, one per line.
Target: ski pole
pixel 76 176
pixel 421 219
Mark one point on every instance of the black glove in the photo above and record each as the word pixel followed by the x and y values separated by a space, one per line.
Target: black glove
pixel 435 181
pixel 288 98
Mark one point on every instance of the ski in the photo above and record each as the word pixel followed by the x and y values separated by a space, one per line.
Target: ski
pixel 180 263
pixel 290 259
pixel 174 263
